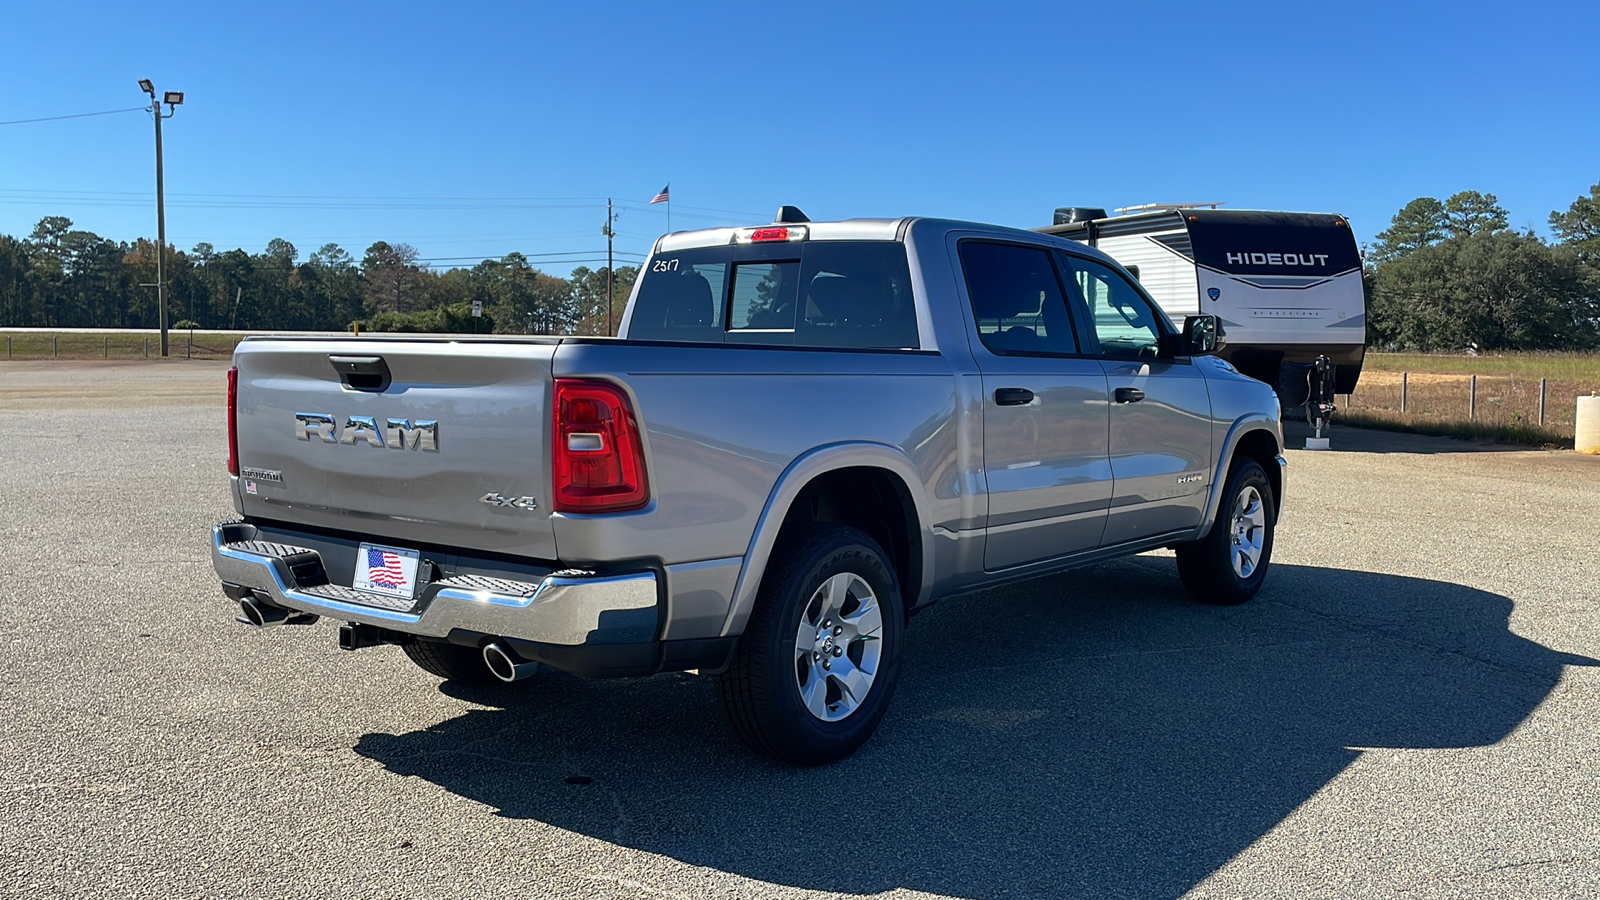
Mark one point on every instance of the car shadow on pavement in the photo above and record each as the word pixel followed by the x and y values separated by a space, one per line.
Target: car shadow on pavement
pixel 1090 734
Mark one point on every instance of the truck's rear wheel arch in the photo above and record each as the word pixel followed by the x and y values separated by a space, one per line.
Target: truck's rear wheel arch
pixel 876 501
pixel 827 470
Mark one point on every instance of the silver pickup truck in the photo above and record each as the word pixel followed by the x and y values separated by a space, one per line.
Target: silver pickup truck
pixel 807 432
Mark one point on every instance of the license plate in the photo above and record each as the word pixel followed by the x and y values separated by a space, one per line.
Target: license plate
pixel 390 571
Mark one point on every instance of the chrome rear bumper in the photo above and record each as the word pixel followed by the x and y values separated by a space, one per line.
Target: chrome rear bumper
pixel 564 608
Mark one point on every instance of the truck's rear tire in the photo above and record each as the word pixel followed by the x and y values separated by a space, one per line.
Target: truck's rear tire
pixel 1228 565
pixel 813 673
pixel 453 662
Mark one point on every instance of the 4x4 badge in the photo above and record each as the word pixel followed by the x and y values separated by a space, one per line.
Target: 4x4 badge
pixel 495 499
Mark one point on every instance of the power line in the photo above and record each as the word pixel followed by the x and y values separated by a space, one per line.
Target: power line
pixel 116 197
pixel 105 112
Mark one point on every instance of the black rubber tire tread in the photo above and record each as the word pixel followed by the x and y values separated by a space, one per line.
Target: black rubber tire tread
pixel 453 662
pixel 1205 566
pixel 762 704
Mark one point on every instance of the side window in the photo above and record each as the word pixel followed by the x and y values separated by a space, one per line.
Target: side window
pixel 1125 325
pixel 1016 299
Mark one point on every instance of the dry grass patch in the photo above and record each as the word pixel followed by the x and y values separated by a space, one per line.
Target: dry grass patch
pixel 1439 397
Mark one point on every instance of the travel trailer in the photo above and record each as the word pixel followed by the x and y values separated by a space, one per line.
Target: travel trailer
pixel 1285 285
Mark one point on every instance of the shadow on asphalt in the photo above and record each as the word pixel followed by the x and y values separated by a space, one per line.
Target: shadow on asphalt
pixel 1051 739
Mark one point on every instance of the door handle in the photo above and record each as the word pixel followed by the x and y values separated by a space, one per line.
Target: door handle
pixel 1129 395
pixel 1013 396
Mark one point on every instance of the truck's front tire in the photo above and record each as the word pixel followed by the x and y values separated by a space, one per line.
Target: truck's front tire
pixel 452 662
pixel 813 673
pixel 1228 565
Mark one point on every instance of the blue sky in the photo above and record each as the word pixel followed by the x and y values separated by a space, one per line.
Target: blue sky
pixel 471 130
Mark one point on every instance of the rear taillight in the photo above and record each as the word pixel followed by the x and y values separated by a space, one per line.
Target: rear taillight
pixel 233 421
pixel 598 456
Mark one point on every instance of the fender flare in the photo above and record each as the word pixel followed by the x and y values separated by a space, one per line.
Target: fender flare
pixel 1236 432
pixel 801 472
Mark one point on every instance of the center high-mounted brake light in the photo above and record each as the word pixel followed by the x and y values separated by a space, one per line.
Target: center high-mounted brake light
pixel 770 234
pixel 233 421
pixel 596 449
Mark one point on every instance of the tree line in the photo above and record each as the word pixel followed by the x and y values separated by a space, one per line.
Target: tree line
pixel 1453 275
pixel 63 277
pixel 1447 275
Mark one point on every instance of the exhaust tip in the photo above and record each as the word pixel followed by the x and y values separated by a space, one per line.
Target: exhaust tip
pixel 262 615
pixel 505 664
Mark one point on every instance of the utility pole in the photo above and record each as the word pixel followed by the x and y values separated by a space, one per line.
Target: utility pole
pixel 173 99
pixel 610 234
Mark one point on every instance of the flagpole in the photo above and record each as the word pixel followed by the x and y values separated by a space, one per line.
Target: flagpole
pixel 669 207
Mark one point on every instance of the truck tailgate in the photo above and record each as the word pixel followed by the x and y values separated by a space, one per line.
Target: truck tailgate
pixel 321 448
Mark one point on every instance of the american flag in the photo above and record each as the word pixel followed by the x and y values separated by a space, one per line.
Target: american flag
pixel 383 568
pixel 661 197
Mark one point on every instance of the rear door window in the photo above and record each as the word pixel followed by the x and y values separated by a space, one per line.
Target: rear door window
pixel 1016 299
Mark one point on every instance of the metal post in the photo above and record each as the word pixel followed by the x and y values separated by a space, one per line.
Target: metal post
pixel 8 346
pixel 161 230
pixel 55 347
pixel 188 352
pixel 1541 402
pixel 1472 398
pixel 1404 379
pixel 147 346
pixel 610 265
pixel 105 351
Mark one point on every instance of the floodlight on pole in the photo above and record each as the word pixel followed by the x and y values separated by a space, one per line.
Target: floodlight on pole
pixel 173 99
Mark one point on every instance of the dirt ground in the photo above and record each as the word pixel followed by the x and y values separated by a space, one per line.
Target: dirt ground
pixel 86 384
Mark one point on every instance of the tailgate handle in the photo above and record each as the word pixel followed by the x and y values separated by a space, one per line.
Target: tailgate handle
pixel 362 373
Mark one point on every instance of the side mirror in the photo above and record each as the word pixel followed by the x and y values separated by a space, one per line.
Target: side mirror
pixel 1203 334
pixel 1200 335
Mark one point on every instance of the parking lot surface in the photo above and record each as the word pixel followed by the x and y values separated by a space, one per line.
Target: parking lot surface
pixel 1409 707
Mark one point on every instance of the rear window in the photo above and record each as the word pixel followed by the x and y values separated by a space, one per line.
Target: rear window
pixel 813 294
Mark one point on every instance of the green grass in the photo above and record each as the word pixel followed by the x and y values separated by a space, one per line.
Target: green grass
pixel 118 345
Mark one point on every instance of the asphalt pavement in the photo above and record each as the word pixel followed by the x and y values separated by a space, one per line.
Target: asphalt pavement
pixel 1408 708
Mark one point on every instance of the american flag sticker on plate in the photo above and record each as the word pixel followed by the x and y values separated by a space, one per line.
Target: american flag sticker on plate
pixel 390 571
